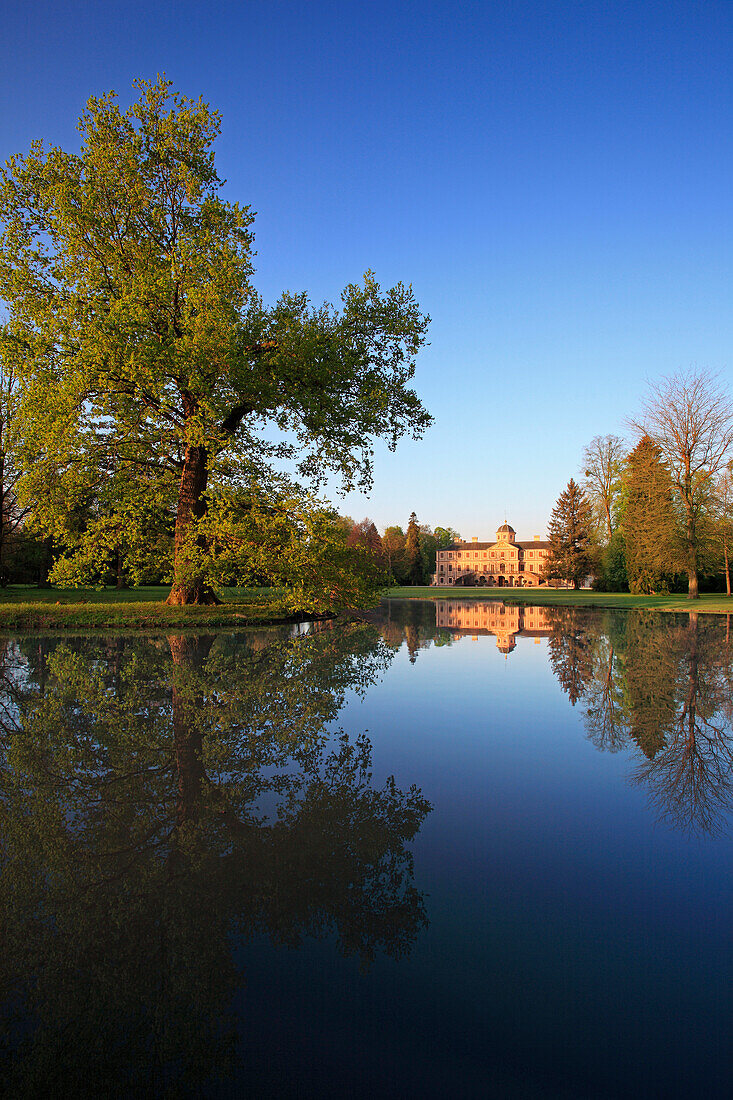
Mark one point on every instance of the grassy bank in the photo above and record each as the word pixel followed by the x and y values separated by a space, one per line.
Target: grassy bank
pixel 23 607
pixel 716 602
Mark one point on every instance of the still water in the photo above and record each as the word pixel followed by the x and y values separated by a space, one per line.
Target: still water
pixel 456 850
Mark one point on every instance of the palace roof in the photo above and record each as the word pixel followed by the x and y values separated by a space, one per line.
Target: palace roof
pixel 534 544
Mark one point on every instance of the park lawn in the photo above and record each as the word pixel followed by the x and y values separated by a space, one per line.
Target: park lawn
pixel 716 603
pixel 24 607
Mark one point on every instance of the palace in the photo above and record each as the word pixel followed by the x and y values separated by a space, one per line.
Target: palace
pixel 504 563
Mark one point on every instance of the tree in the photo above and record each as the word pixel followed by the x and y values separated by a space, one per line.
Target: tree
pixel 135 330
pixel 603 467
pixel 393 541
pixel 414 564
pixel 570 556
pixel 445 537
pixel 690 418
pixel 649 523
pixel 365 534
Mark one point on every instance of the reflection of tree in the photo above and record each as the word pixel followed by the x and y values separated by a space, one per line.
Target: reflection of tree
pixel 411 621
pixel 157 797
pixel 663 683
pixel 570 649
pixel 690 779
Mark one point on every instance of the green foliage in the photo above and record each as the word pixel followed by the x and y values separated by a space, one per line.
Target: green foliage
pixel 650 525
pixel 414 563
pixel 151 372
pixel 570 555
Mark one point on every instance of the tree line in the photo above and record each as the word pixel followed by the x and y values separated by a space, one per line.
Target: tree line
pixel 405 557
pixel 655 516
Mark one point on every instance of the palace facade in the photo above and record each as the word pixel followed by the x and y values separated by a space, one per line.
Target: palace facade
pixel 505 563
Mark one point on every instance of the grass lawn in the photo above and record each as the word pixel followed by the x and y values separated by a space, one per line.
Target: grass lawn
pixel 715 602
pixel 24 607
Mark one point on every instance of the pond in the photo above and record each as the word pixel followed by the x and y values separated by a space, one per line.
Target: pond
pixel 449 849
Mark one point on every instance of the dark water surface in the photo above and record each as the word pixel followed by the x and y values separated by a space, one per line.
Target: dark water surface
pixel 458 850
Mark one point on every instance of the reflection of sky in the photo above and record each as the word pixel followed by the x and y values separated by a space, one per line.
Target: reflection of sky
pixel 575 946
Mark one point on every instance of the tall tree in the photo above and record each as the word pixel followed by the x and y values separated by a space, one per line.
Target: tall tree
pixel 690 418
pixel 414 564
pixel 134 327
pixel 603 467
pixel 393 542
pixel 570 556
pixel 649 522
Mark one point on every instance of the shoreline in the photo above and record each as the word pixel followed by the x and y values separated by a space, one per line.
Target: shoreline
pixel 713 603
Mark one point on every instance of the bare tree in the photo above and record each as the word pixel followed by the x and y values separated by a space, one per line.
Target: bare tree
pixel 602 467
pixel 690 418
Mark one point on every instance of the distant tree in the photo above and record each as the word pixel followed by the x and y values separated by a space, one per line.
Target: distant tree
pixel 393 542
pixel 690 419
pixel 414 564
pixel 428 548
pixel 570 555
pixel 366 534
pixel 649 522
pixel 445 537
pixel 603 460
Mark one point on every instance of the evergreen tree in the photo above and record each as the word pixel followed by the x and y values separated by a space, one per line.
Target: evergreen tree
pixel 415 565
pixel 649 522
pixel 571 554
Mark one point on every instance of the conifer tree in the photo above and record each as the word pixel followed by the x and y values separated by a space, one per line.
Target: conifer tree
pixel 413 554
pixel 570 557
pixel 649 522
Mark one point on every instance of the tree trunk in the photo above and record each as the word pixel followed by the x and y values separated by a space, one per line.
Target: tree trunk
pixel 121 582
pixel 189 585
pixel 727 567
pixel 692 589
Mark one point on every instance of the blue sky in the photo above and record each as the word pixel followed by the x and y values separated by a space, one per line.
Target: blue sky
pixel 552 178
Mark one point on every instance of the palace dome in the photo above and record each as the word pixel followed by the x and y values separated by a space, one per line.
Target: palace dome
pixel 506 527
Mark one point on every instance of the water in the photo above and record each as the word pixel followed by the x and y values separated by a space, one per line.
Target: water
pixel 213 886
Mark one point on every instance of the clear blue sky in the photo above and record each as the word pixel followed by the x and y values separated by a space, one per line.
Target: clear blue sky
pixel 553 178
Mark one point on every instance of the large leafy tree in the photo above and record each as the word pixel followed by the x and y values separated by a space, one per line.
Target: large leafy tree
pixel 570 555
pixel 690 419
pixel 145 355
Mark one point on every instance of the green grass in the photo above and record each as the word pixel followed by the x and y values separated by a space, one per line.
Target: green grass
pixel 24 607
pixel 714 602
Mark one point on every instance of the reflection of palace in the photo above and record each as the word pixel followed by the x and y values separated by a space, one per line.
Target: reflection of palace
pixel 503 563
pixel 484 617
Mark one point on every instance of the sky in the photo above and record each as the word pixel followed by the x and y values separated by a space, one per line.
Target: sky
pixel 553 179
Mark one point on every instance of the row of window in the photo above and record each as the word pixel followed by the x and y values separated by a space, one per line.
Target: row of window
pixel 488 553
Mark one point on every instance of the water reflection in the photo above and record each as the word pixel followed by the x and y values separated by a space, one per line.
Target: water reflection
pixel 157 796
pixel 652 683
